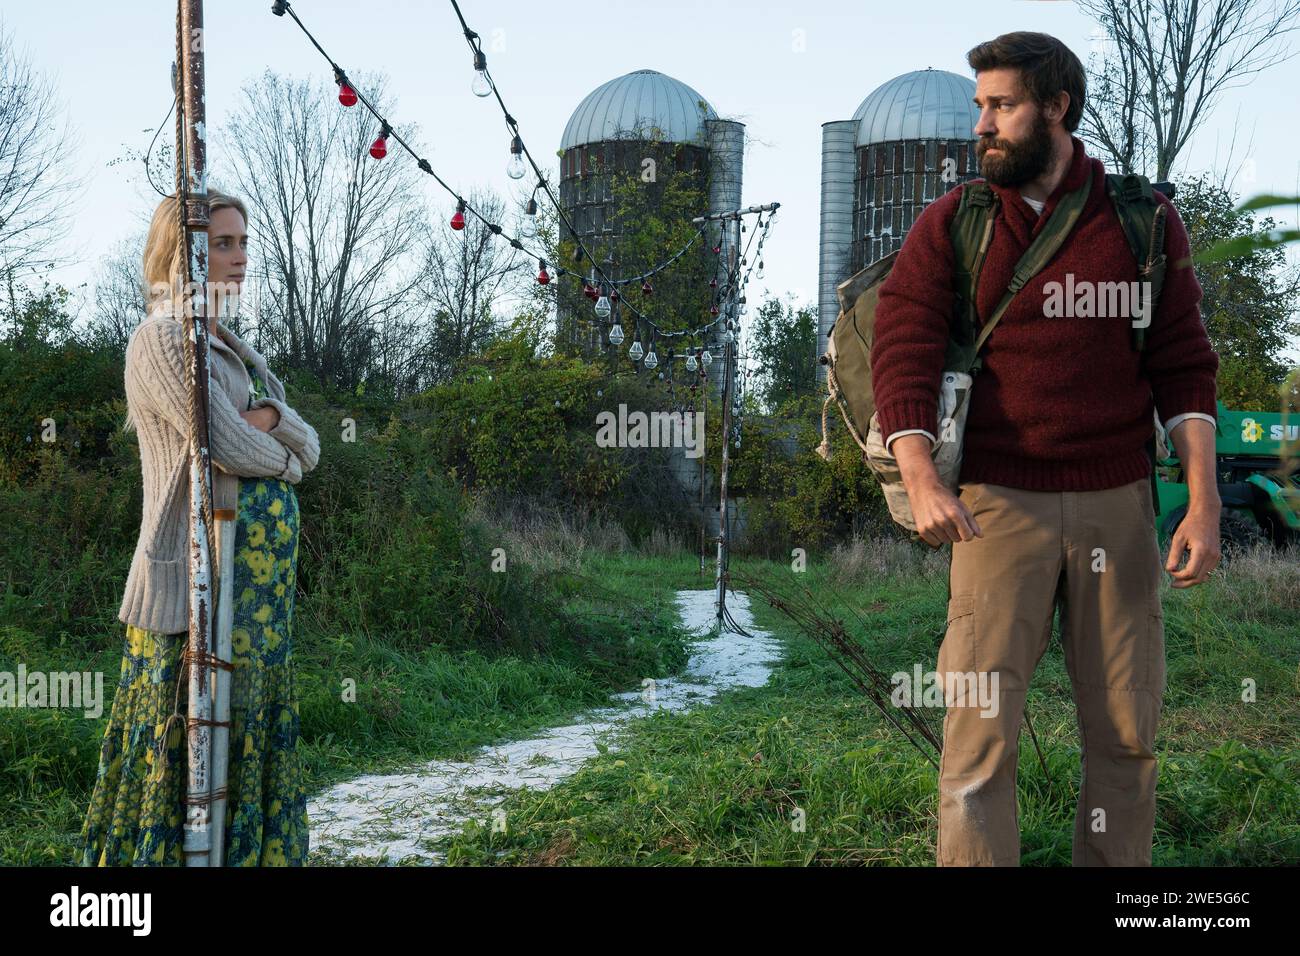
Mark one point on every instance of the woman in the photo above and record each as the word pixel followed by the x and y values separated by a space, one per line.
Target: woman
pixel 259 448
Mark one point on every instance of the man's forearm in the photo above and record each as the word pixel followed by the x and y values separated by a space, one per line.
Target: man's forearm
pixel 912 452
pixel 1194 442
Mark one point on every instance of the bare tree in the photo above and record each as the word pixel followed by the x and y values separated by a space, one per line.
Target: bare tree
pixel 119 294
pixel 1164 63
pixel 332 228
pixel 464 273
pixel 36 180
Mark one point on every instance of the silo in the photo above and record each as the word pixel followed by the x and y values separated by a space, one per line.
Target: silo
pixel 726 175
pixel 913 141
pixel 643 115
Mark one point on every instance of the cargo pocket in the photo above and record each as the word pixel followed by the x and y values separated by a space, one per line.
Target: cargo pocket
pixel 957 652
pixel 1155 654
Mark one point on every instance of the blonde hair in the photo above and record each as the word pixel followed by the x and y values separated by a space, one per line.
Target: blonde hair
pixel 164 273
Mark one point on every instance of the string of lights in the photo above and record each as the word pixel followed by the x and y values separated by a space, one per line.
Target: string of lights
pixel 606 294
pixel 483 85
pixel 350 95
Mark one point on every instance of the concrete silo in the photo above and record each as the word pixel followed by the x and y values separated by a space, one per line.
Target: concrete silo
pixel 909 142
pixel 619 125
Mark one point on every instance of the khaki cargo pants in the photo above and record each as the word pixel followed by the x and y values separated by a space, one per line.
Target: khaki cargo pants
pixel 1095 554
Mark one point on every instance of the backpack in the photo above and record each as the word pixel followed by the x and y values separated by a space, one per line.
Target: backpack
pixel 848 353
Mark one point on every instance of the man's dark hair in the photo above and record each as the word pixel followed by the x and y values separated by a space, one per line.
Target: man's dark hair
pixel 1047 66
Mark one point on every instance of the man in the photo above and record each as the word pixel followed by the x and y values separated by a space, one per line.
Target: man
pixel 1055 505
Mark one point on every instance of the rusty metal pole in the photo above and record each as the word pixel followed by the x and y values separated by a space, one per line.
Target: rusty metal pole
pixel 728 355
pixel 192 193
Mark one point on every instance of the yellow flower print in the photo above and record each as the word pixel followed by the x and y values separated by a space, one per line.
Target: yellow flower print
pixel 256 534
pixel 262 614
pixel 239 640
pixel 275 853
pixel 276 507
pixel 272 638
pixel 283 529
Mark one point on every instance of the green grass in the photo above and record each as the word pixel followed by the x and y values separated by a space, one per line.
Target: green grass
pixel 800 771
pixel 805 771
pixel 414 701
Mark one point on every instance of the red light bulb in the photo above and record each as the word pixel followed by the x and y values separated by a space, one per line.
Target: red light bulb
pixel 458 221
pixel 647 288
pixel 379 148
pixel 543 277
pixel 347 95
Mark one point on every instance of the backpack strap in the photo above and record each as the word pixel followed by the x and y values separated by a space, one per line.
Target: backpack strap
pixel 961 355
pixel 1143 220
pixel 971 234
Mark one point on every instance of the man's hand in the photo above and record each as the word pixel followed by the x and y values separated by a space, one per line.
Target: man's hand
pixel 939 514
pixel 1193 439
pixel 1198 532
pixel 263 419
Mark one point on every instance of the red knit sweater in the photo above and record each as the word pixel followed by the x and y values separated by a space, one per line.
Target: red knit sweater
pixel 1061 404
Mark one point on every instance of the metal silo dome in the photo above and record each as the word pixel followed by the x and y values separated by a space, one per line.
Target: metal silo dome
pixel 924 104
pixel 645 98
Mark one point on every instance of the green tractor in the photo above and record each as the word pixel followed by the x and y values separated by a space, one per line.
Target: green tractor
pixel 1259 504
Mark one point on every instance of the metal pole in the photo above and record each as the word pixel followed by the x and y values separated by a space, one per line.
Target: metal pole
pixel 192 193
pixel 728 354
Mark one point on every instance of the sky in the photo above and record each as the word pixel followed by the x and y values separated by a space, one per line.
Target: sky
pixel 782 68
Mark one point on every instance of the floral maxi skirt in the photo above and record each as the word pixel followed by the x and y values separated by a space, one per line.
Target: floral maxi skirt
pixel 137 813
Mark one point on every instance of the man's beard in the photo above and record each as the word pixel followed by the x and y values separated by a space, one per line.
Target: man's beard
pixel 1017 163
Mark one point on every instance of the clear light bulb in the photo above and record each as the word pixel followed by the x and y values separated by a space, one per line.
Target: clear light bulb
pixel 635 352
pixel 616 335
pixel 602 307
pixel 691 364
pixel 482 86
pixel 515 168
pixel 707 358
pixel 651 360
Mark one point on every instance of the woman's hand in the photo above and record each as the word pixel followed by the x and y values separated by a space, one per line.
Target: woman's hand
pixel 263 419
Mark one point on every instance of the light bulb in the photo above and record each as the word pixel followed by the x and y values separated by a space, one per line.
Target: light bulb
pixel 347 95
pixel 616 335
pixel 458 220
pixel 543 277
pixel 635 352
pixel 379 148
pixel 759 274
pixel 482 86
pixel 691 365
pixel 651 360
pixel 515 168
pixel 602 307
pixel 707 358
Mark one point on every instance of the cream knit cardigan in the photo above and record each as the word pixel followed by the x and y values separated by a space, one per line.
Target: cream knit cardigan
pixel 157 394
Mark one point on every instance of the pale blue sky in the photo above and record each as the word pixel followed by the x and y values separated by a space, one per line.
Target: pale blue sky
pixel 783 68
